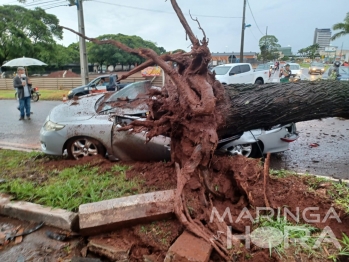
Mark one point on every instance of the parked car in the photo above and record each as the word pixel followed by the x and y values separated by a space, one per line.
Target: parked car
pixel 89 126
pixel 316 67
pixel 240 73
pixel 343 73
pixel 103 82
pixel 296 69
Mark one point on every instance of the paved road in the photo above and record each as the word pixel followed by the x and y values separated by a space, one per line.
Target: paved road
pixel 23 134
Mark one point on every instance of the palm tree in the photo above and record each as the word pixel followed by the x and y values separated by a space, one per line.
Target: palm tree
pixel 344 27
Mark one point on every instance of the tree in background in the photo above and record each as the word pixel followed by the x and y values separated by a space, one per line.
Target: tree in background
pixel 111 55
pixel 269 48
pixel 344 27
pixel 310 51
pixel 25 32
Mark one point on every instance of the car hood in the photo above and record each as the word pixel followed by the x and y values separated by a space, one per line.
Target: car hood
pixel 75 110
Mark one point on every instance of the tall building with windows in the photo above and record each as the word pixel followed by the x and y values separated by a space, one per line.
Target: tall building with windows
pixel 322 37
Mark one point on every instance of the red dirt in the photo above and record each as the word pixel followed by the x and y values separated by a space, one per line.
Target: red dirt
pixel 59 74
pixel 240 183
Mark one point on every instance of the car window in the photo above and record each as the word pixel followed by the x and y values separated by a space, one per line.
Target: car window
pixel 131 91
pixel 294 67
pixel 317 64
pixel 344 70
pixel 102 83
pixel 244 68
pixel 221 70
pixel 235 70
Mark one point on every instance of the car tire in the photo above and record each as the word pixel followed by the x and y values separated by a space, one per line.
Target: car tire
pixel 80 147
pixel 252 150
pixel 259 82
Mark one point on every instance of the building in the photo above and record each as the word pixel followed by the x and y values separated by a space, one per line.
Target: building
pixel 223 58
pixel 322 37
pixel 285 51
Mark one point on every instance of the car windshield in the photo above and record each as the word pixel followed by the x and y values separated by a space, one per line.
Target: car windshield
pixel 317 64
pixel 125 97
pixel 294 67
pixel 221 70
pixel 344 70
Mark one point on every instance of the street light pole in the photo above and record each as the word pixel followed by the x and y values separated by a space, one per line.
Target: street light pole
pixel 242 34
pixel 83 52
pixel 82 42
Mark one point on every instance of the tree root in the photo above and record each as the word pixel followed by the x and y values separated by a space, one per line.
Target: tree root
pixel 266 177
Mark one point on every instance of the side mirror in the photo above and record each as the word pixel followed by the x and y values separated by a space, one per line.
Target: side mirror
pixel 231 74
pixel 93 85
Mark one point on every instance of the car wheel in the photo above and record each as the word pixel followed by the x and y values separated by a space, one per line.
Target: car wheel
pixel 259 82
pixel 81 147
pixel 247 150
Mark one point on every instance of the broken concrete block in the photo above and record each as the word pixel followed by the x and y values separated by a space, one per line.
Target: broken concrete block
pixel 188 247
pixel 110 214
pixel 115 250
pixel 27 211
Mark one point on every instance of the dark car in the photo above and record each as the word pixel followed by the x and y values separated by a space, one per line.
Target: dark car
pixel 103 82
pixel 343 73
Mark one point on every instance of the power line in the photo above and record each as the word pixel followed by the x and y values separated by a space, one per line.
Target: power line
pixel 38 3
pixel 160 11
pixel 55 6
pixel 253 16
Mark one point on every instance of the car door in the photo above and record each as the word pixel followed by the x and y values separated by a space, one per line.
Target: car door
pixel 129 145
pixel 234 75
pixel 246 74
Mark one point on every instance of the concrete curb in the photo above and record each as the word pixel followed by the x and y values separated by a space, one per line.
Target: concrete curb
pixel 27 211
pixel 337 180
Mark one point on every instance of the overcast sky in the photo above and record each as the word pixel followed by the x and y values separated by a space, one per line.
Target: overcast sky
pixel 292 22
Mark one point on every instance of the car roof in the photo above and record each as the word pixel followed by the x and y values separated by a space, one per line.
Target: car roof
pixel 293 63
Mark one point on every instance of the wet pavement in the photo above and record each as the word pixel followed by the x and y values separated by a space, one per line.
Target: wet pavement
pixel 322 149
pixel 23 134
pixel 35 246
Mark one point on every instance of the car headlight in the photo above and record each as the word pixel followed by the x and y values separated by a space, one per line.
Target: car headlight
pixel 50 126
pixel 70 92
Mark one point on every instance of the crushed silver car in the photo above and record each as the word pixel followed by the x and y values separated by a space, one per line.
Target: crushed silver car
pixel 90 126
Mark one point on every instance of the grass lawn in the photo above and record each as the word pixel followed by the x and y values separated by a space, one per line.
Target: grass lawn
pixel 45 94
pixel 28 176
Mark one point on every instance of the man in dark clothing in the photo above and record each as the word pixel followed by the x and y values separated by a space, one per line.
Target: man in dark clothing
pixel 23 85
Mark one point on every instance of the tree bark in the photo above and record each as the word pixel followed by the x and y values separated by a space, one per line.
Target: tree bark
pixel 251 106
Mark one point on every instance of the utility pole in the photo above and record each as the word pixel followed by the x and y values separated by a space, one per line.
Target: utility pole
pixel 82 42
pixel 242 34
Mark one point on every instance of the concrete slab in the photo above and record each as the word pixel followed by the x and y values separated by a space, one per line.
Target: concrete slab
pixel 110 214
pixel 27 211
pixel 116 250
pixel 187 248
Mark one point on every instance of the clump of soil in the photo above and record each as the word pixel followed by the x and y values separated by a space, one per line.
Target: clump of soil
pixel 59 74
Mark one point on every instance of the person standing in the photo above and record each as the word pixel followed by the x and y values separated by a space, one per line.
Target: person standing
pixel 22 83
pixel 285 74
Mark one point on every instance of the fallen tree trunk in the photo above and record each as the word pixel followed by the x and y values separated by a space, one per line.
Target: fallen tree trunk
pixel 248 107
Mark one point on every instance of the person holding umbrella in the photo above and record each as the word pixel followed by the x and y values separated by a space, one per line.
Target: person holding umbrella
pixel 23 85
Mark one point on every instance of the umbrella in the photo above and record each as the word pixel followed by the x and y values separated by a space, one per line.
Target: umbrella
pixel 24 61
